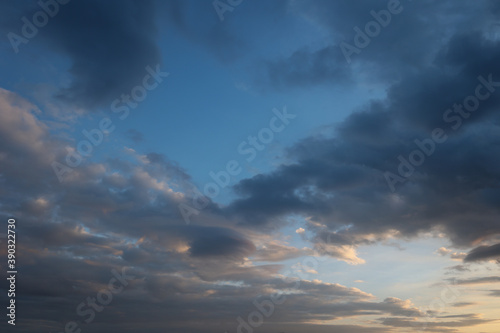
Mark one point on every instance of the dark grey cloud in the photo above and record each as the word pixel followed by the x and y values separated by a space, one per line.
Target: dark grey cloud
pixel 305 68
pixel 98 221
pixel 463 304
pixel 478 280
pixel 459 268
pixel 134 135
pixel 220 245
pixel 217 242
pixel 198 22
pixel 495 293
pixel 484 253
pixel 108 44
pixel 467 315
pixel 435 326
pixel 406 45
pixel 339 180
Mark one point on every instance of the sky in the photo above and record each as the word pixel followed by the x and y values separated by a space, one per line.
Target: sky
pixel 250 166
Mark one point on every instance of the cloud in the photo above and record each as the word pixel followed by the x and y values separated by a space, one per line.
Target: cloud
pixel 24 139
pixel 337 180
pixel 218 242
pixel 453 255
pixel 343 252
pixel 108 45
pixel 124 213
pixel 199 23
pixel 479 280
pixel 395 52
pixel 305 68
pixel 463 304
pixel 443 251
pixel 484 252
pixel 435 326
pixel 458 256
pixel 494 293
pixel 459 268
pixel 134 135
pixel 278 252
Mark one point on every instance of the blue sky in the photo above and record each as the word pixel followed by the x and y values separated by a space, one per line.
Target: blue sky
pixel 351 207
